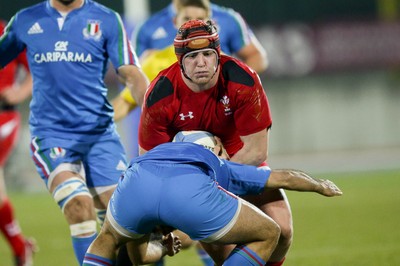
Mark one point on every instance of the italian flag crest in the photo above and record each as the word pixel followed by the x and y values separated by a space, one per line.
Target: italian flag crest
pixel 92 30
pixel 57 152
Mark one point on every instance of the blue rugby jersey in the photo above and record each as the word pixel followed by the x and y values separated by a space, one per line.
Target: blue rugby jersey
pixel 68 60
pixel 159 30
pixel 237 178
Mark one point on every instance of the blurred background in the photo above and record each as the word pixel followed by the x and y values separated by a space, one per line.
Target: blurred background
pixel 333 82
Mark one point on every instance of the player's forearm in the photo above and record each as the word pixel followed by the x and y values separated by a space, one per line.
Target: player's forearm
pixel 249 156
pixel 121 108
pixel 135 81
pixel 257 62
pixel 153 254
pixel 138 86
pixel 145 250
pixel 156 248
pixel 254 150
pixel 300 181
pixel 293 180
pixel 255 56
pixel 18 92
pixel 26 87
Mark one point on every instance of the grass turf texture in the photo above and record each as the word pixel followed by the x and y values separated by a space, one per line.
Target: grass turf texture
pixel 359 228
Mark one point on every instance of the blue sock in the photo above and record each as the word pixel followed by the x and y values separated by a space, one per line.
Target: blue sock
pixel 91 259
pixel 243 256
pixel 80 245
pixel 205 258
pixel 160 262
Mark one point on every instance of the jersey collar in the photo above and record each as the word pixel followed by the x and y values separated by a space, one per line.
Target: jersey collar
pixel 54 12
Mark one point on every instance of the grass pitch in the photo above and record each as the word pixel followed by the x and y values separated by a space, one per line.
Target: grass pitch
pixel 359 228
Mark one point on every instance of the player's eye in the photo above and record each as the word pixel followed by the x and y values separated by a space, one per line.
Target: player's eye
pixel 192 55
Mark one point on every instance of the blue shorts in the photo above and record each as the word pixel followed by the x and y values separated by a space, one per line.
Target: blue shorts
pixel 182 196
pixel 101 162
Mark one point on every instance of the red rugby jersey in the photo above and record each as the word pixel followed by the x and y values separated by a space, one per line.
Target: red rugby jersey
pixel 236 106
pixel 8 74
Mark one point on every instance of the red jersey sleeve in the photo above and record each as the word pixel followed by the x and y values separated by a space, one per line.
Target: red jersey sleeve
pixel 252 108
pixel 154 126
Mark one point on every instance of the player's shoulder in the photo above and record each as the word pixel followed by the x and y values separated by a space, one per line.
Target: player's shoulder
pixel 34 8
pixel 26 17
pixel 235 71
pixel 147 28
pixel 100 9
pixel 157 19
pixel 160 15
pixel 221 13
pixel 32 12
pixel 162 86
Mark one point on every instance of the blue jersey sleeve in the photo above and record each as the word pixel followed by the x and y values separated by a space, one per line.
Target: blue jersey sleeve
pixel 140 40
pixel 119 47
pixel 10 45
pixel 245 179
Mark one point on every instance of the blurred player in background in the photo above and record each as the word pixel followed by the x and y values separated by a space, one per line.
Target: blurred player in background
pixel 206 90
pixel 158 32
pixel 12 92
pixel 74 142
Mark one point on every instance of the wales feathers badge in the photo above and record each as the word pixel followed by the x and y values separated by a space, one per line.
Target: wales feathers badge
pixel 92 30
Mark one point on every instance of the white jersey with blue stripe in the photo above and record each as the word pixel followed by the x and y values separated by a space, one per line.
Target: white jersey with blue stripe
pixel 68 58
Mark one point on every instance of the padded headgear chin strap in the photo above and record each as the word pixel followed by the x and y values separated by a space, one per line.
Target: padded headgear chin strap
pixel 196 35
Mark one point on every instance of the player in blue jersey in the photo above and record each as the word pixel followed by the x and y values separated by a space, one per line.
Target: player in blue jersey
pixel 236 37
pixel 183 185
pixel 74 142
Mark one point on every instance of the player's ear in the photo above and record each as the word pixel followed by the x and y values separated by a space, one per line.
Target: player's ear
pixel 217 141
pixel 219 149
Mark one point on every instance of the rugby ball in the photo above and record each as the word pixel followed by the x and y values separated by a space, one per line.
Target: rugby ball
pixel 196 136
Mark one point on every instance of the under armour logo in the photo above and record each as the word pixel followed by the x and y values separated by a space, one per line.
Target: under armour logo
pixel 190 115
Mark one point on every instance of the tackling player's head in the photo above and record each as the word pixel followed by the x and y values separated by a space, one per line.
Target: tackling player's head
pixel 195 36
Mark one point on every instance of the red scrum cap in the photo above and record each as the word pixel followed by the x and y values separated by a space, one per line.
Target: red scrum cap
pixel 196 35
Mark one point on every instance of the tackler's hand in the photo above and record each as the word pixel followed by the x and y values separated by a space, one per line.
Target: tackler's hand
pixel 172 244
pixel 329 189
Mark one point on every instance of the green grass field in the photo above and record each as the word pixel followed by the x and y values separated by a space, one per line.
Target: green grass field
pixel 359 228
